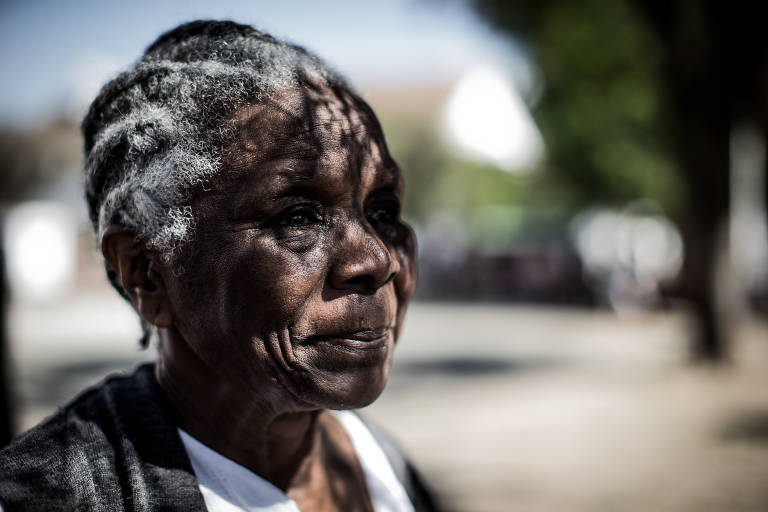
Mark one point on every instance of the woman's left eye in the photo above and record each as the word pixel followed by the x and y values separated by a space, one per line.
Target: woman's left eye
pixel 298 216
pixel 385 212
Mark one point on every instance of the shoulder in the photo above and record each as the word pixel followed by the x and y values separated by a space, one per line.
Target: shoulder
pixel 95 449
pixel 88 417
pixel 60 440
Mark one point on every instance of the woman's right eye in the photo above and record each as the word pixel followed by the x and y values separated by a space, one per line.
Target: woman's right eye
pixel 298 216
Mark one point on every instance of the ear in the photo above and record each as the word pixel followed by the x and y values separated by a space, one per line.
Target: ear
pixel 136 269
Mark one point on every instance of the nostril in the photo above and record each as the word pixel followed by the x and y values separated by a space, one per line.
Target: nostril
pixel 364 281
pixel 367 281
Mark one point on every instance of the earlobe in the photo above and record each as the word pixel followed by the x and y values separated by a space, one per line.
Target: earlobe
pixel 136 270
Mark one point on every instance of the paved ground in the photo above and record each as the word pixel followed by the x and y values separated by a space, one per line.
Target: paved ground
pixel 508 408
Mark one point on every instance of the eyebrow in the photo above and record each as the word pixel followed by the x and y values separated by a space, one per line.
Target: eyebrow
pixel 296 174
pixel 297 190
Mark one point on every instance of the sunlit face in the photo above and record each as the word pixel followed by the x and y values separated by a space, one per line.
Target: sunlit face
pixel 297 283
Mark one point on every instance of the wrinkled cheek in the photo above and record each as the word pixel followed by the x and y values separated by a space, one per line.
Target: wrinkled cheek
pixel 283 283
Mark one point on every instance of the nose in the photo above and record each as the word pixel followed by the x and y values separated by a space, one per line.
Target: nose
pixel 362 261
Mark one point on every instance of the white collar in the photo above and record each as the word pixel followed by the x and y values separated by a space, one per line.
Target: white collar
pixel 227 486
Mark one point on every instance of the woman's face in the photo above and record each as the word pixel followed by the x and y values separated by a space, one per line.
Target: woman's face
pixel 296 286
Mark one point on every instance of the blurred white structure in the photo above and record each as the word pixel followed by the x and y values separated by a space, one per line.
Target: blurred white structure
pixel 628 254
pixel 485 119
pixel 40 239
pixel 748 232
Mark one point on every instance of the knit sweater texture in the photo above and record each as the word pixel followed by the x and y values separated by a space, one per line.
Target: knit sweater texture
pixel 115 447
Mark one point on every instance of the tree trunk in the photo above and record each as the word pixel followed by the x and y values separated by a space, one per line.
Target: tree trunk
pixel 695 46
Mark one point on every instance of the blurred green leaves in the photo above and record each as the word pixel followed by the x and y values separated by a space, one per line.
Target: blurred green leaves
pixel 601 114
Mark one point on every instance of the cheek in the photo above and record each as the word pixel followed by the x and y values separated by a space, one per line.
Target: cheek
pixel 232 298
pixel 269 283
pixel 405 281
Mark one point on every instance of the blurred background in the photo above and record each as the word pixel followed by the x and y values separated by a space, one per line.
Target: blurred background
pixel 587 182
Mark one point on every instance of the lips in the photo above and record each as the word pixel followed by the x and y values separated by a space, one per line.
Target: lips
pixel 365 339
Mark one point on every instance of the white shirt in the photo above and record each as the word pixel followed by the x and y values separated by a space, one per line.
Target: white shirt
pixel 227 486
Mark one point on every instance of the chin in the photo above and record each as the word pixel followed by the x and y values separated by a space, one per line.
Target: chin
pixel 346 389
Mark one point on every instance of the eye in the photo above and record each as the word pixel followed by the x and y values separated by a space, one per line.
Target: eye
pixel 298 216
pixel 385 211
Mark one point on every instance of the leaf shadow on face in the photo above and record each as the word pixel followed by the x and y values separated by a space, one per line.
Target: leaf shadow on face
pixel 335 113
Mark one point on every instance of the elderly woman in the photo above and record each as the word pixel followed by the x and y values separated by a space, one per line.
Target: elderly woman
pixel 248 209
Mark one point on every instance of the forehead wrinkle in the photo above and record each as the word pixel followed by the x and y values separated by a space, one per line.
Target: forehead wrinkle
pixel 329 121
pixel 263 123
pixel 253 149
pixel 300 174
pixel 290 149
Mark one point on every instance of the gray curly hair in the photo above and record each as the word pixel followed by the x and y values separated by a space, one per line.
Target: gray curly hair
pixel 157 131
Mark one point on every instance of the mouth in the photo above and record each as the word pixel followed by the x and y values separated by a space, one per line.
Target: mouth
pixel 364 339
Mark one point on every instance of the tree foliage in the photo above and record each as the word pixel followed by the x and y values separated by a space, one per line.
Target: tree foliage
pixel 601 113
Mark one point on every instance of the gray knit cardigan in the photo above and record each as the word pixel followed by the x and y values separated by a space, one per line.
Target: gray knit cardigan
pixel 116 448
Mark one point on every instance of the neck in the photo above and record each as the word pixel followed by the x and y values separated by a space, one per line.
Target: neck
pixel 259 432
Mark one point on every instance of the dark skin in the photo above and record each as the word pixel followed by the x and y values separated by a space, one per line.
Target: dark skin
pixel 293 293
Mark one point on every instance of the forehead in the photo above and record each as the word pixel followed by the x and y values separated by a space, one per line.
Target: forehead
pixel 317 129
